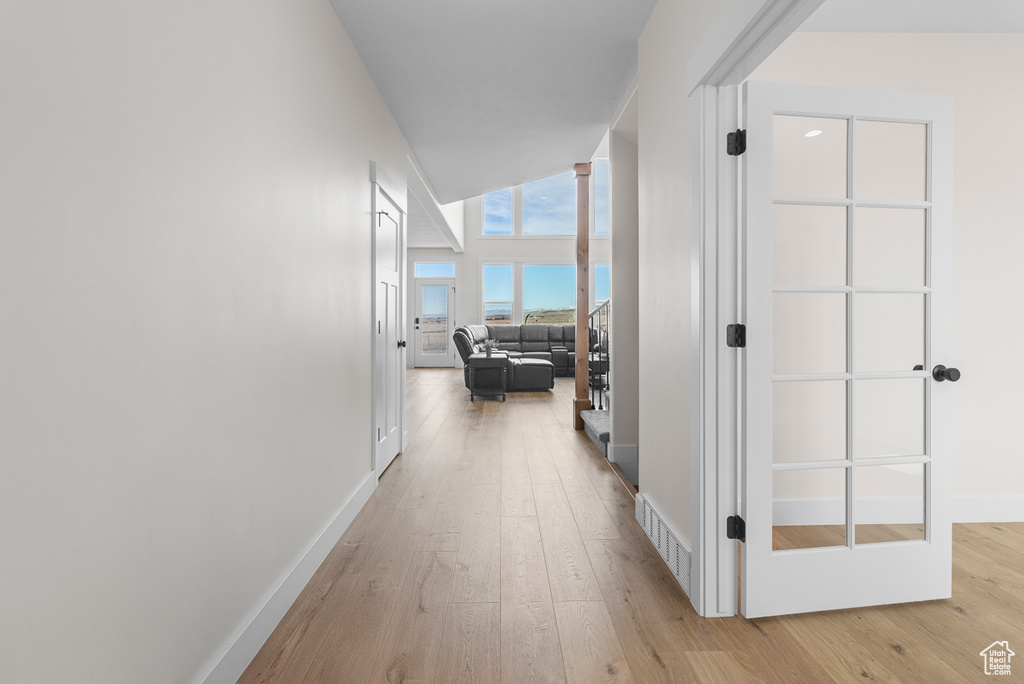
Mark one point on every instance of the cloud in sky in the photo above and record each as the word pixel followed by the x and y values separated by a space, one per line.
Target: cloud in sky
pixel 549 206
pixel 498 212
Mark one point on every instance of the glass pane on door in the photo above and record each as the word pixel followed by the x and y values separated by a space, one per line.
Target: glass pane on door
pixel 888 418
pixel 434 320
pixel 809 157
pixel 809 331
pixel 890 161
pixel 888 332
pixel 888 503
pixel 808 421
pixel 888 247
pixel 808 508
pixel 809 245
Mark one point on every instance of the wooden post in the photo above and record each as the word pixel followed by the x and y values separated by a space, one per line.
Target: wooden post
pixel 582 400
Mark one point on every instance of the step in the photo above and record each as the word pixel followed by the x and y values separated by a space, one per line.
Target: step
pixel 597 425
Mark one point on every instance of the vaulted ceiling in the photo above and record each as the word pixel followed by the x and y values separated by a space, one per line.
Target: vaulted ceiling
pixel 494 93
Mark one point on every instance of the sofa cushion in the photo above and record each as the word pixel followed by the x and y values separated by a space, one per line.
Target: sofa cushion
pixel 507 336
pixel 555 336
pixel 532 374
pixel 569 337
pixel 534 338
pixel 545 355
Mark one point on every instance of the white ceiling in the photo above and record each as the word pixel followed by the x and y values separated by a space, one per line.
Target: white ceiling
pixel 493 93
pixel 919 16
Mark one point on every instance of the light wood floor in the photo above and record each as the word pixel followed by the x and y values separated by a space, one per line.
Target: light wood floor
pixel 501 548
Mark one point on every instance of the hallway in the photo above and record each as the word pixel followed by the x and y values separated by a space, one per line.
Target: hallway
pixel 501 547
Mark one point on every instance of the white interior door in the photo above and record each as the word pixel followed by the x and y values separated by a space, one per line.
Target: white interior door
pixel 434 323
pixel 389 346
pixel 847 298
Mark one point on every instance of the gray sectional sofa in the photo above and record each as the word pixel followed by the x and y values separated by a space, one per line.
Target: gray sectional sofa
pixel 525 357
pixel 554 343
pixel 522 358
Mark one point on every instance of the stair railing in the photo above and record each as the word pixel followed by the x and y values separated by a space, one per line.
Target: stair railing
pixel 598 323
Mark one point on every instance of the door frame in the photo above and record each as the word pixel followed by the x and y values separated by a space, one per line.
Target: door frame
pixel 418 332
pixel 745 35
pixel 379 180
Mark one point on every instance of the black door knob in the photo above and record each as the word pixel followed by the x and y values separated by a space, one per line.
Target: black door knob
pixel 401 343
pixel 941 373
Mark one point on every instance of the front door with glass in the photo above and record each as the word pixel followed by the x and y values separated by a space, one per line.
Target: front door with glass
pixel 434 323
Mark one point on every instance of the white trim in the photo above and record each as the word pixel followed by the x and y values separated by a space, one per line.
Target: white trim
pixel 237 655
pixel 676 554
pixel 966 509
pixel 418 188
pixel 627 457
pixel 747 32
pixel 625 102
pixel 895 511
pixel 715 494
pixel 390 188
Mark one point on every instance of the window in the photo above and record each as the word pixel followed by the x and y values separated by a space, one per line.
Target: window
pixel 435 270
pixel 549 206
pixel 549 294
pixel 498 212
pixel 602 198
pixel 498 289
pixel 602 283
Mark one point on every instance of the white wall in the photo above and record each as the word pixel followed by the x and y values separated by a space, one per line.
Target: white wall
pixel 672 33
pixel 979 71
pixel 185 307
pixel 625 280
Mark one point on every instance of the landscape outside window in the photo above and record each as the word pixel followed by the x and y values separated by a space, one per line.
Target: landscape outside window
pixel 549 294
pixel 434 324
pixel 498 288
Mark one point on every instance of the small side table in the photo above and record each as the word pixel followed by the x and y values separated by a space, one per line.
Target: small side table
pixel 483 366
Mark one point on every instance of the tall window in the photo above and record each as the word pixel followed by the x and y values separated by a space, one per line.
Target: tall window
pixel 549 206
pixel 498 293
pixel 549 294
pixel 498 212
pixel 602 198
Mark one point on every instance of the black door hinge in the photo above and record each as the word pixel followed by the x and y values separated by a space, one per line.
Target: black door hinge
pixel 736 143
pixel 735 528
pixel 736 335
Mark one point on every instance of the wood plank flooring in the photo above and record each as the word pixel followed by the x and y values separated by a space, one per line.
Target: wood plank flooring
pixel 501 548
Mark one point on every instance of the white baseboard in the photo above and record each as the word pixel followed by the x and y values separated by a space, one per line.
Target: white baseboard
pixel 244 647
pixel 675 553
pixel 966 509
pixel 627 457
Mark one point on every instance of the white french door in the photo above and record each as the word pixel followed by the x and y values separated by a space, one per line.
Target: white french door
pixel 434 323
pixel 847 298
pixel 389 359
